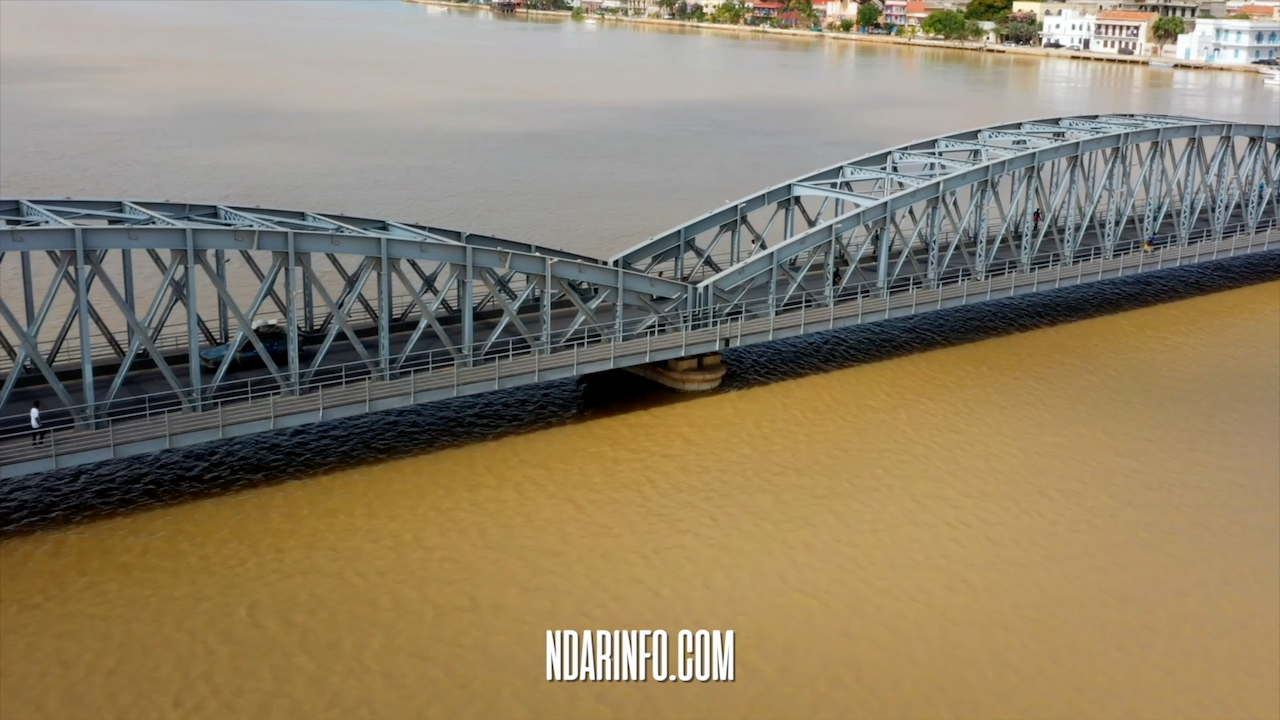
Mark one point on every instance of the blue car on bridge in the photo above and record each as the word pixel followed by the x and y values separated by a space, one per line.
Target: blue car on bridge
pixel 273 338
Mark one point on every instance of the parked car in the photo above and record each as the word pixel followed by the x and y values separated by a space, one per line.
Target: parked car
pixel 1266 61
pixel 1055 44
pixel 1125 51
pixel 1074 47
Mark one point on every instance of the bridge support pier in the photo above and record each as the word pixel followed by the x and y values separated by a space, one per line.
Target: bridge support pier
pixel 691 374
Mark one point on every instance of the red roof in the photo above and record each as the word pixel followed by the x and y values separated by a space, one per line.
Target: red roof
pixel 1127 15
pixel 766 5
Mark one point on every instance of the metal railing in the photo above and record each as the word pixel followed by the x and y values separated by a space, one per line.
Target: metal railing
pixel 351 382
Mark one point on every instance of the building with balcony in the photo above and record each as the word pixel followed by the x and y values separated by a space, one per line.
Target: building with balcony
pixel 840 9
pixel 1123 32
pixel 764 10
pixel 895 12
pixel 1069 28
pixel 1177 8
pixel 1231 42
pixel 1084 7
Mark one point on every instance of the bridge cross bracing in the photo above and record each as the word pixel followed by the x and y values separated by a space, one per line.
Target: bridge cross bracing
pixel 106 306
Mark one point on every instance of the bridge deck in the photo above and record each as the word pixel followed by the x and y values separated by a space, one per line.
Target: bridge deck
pixel 148 430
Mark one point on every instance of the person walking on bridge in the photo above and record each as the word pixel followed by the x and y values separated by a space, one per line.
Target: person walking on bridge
pixel 37 431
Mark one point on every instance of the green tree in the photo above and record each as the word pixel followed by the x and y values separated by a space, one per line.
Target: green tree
pixel 730 13
pixel 1020 27
pixel 990 10
pixel 1167 29
pixel 669 6
pixel 948 24
pixel 911 32
pixel 846 25
pixel 868 14
pixel 804 11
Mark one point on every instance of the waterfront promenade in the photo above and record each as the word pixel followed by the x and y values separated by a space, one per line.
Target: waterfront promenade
pixel 837 36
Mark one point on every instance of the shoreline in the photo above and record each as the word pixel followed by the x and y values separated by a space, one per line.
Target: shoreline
pixel 1169 62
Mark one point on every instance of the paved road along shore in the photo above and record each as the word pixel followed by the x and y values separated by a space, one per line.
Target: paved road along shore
pixel 882 39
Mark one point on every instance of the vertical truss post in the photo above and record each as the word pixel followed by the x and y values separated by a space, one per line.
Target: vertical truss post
pixel 679 258
pixel 308 298
pixel 617 307
pixel 291 314
pixel 86 352
pixel 789 219
pixel 384 312
pixel 193 321
pixel 1028 209
pixel 1071 208
pixel 545 297
pixel 735 239
pixel 220 266
pixel 1110 183
pixel 773 296
pixel 981 224
pixel 1193 191
pixel 932 238
pixel 884 240
pixel 126 268
pixel 468 310
pixel 28 290
pixel 829 272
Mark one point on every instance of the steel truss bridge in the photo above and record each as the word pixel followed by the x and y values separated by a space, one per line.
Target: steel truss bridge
pixel 106 305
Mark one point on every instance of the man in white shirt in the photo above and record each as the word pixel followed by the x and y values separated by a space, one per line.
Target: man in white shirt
pixel 37 432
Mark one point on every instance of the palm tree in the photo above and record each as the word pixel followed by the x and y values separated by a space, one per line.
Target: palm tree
pixel 1167 29
pixel 803 10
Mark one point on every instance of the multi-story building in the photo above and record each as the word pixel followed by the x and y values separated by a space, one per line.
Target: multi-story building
pixel 841 9
pixel 917 11
pixel 895 12
pixel 1177 8
pixel 1069 28
pixel 1231 42
pixel 1084 7
pixel 765 10
pixel 1123 32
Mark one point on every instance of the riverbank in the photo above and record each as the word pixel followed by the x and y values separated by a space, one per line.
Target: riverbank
pixel 881 39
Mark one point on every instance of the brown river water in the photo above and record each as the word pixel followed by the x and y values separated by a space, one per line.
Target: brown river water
pixel 1076 522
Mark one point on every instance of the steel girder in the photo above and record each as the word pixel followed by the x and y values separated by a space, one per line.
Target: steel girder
pixel 957 205
pixel 79 312
pixel 92 289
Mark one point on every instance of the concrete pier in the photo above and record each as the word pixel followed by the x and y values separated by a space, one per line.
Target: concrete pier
pixel 689 374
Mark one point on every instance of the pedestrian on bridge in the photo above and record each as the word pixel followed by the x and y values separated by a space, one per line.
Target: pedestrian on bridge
pixel 37 430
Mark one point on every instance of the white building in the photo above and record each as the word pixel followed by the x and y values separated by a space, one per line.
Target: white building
pixel 1071 28
pixel 1123 32
pixel 841 9
pixel 1231 42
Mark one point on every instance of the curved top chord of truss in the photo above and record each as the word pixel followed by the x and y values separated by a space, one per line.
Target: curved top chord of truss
pixel 874 187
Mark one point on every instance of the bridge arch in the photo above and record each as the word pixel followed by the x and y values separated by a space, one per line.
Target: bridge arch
pixel 952 206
